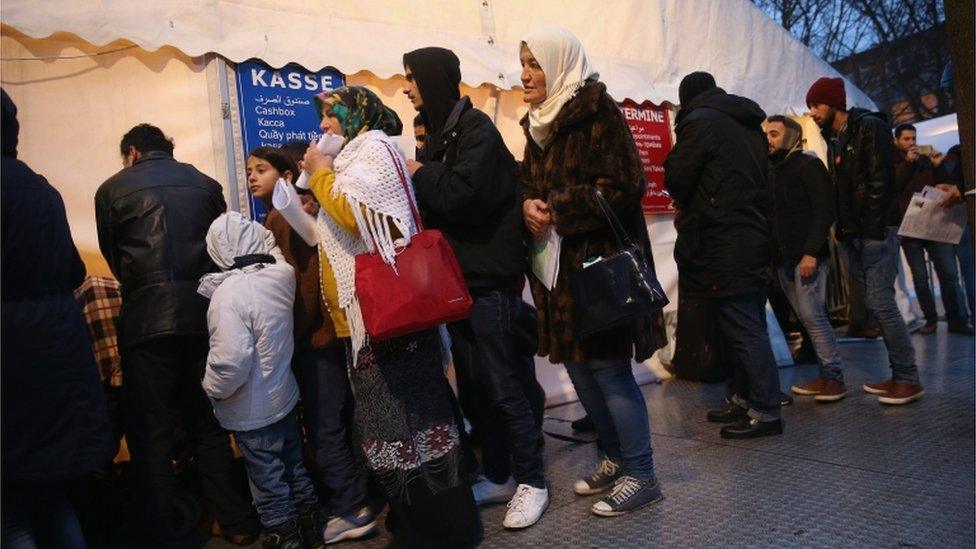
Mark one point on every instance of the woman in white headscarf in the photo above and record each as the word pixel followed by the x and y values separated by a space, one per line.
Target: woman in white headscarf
pixel 577 142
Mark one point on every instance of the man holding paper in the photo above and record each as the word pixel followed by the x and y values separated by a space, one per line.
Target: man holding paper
pixel 913 172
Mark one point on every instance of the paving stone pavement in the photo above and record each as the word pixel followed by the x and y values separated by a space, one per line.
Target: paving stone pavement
pixel 850 474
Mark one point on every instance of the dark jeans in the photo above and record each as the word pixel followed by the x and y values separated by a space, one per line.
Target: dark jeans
pixel 279 482
pixel 742 325
pixel 327 411
pixel 39 516
pixel 872 263
pixel 943 257
pixel 485 352
pixel 610 395
pixel 162 397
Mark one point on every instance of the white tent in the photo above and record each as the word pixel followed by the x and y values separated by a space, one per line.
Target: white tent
pixel 83 72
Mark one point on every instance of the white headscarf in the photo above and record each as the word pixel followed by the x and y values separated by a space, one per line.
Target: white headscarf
pixel 563 60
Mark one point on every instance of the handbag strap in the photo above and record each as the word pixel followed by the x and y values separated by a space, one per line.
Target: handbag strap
pixel 618 230
pixel 406 188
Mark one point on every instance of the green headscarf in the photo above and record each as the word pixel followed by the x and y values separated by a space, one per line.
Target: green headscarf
pixel 358 111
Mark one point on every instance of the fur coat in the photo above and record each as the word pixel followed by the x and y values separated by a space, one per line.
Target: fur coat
pixel 590 146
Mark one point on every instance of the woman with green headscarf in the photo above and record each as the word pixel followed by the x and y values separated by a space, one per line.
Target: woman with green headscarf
pixel 404 409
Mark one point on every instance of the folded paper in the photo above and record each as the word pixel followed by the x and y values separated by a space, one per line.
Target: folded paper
pixel 286 200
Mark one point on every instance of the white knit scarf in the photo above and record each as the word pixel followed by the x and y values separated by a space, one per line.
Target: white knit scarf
pixel 367 177
pixel 563 60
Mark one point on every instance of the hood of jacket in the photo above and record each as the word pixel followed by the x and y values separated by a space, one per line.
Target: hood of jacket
pixel 743 110
pixel 232 237
pixel 437 73
pixel 854 117
pixel 858 113
pixel 434 148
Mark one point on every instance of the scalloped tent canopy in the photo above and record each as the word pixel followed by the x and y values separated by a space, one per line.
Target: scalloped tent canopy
pixel 642 48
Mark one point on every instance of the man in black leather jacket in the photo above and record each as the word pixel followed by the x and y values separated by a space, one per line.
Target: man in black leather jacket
pixel 860 153
pixel 152 219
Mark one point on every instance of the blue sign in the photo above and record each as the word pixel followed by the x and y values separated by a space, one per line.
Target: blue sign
pixel 276 107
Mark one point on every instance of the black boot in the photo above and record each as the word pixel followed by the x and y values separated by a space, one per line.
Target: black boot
pixel 284 536
pixel 753 428
pixel 311 522
pixel 730 414
pixel 584 425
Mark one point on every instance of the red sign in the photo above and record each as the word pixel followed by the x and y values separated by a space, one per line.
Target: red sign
pixel 652 133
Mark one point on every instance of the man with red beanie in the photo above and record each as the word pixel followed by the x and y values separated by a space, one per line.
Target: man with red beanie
pixel 860 159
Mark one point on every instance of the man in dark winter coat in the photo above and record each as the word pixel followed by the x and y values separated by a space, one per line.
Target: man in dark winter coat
pixel 468 186
pixel 859 150
pixel 716 175
pixel 55 421
pixel 913 172
pixel 152 219
pixel 802 212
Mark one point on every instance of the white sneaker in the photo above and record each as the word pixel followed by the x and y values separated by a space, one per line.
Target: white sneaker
pixel 526 507
pixel 487 492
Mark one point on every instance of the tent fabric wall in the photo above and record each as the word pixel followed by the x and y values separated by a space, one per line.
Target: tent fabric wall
pixel 641 47
pixel 73 113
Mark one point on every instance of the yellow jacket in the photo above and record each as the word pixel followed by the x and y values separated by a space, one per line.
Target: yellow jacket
pixel 339 208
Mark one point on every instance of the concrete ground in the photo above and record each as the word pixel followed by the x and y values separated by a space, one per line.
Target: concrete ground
pixel 851 474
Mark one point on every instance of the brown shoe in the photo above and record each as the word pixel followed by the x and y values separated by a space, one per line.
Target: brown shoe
pixel 961 328
pixel 901 393
pixel 812 387
pixel 878 388
pixel 832 391
pixel 927 329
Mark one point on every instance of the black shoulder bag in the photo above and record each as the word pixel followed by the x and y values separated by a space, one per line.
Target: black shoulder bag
pixel 616 290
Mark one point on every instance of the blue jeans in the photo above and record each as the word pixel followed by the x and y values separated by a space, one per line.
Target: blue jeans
pixel 808 296
pixel 327 412
pixel 485 350
pixel 871 261
pixel 964 251
pixel 755 378
pixel 610 395
pixel 943 257
pixel 39 516
pixel 279 481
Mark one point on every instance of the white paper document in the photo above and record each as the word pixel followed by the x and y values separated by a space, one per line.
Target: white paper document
pixel 545 258
pixel 926 219
pixel 407 145
pixel 286 200
pixel 329 145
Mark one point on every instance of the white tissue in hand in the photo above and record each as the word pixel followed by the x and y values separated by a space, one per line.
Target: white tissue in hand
pixel 286 200
pixel 329 145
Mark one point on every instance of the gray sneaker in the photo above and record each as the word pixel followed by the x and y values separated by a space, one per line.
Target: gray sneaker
pixel 360 525
pixel 601 480
pixel 628 495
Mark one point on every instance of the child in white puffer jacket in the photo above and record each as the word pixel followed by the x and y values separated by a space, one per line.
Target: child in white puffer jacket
pixel 248 376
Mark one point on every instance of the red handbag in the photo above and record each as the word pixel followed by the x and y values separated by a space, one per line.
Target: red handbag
pixel 425 289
